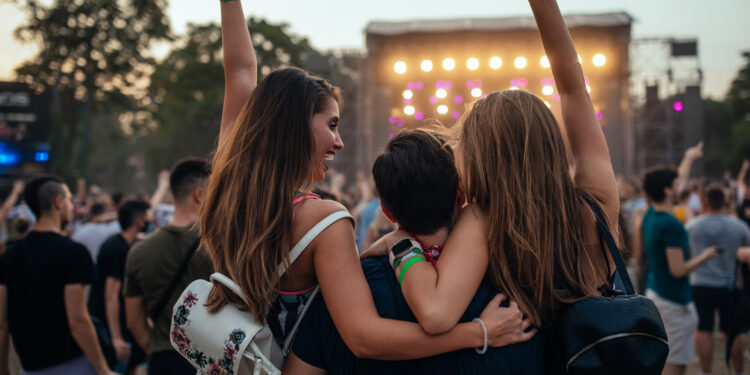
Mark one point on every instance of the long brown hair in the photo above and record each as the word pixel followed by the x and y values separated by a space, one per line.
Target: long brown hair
pixel 246 220
pixel 514 164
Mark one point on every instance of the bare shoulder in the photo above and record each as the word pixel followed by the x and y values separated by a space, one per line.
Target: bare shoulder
pixel 311 211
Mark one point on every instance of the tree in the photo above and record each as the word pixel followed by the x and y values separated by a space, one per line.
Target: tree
pixel 94 58
pixel 187 89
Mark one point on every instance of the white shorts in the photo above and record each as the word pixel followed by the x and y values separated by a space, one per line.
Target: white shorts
pixel 681 323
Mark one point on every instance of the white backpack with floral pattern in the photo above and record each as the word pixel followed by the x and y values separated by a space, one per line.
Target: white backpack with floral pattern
pixel 231 341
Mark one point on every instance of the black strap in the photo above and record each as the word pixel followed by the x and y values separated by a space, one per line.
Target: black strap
pixel 613 250
pixel 175 280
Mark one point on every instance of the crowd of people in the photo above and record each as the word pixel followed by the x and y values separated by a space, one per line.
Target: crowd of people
pixel 472 238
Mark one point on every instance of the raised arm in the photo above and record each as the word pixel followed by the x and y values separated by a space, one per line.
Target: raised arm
pixel 686 165
pixel 593 167
pixel 240 64
pixel 741 185
pixel 12 199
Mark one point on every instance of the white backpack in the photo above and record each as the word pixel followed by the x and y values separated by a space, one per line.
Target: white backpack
pixel 231 341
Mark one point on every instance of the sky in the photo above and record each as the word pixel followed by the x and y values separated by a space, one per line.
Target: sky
pixel 721 26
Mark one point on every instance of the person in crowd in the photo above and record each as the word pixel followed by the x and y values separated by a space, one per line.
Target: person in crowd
pixel 106 301
pixel 155 261
pixel 161 201
pixel 103 224
pixel 43 291
pixel 528 224
pixel 274 140
pixel 714 281
pixel 418 185
pixel 666 244
pixel 380 226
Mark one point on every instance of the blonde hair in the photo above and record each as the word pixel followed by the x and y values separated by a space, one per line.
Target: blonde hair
pixel 513 163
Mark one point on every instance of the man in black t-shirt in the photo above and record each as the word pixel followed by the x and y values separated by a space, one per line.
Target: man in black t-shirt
pixel 42 291
pixel 106 301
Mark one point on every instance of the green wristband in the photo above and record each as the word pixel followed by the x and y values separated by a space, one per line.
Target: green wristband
pixel 406 266
pixel 414 250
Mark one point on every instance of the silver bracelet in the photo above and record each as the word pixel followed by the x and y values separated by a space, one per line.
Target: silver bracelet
pixel 484 331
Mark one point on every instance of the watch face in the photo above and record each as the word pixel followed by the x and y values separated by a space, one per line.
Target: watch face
pixel 401 246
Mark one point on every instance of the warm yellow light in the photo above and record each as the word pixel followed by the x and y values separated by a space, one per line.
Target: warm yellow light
pixel 547 90
pixel 476 92
pixel 580 59
pixel 544 62
pixel 513 88
pixel 496 62
pixel 399 67
pixel 441 93
pixel 599 59
pixel 408 94
pixel 442 109
pixel 449 63
pixel 519 62
pixel 409 110
pixel 426 65
pixel 547 104
pixel 588 88
pixel 472 63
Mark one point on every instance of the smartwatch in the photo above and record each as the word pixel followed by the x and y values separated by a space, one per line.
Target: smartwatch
pixel 403 246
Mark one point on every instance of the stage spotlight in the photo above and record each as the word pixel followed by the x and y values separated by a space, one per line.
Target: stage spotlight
pixel 496 62
pixel 419 116
pixel 476 92
pixel 399 67
pixel 472 63
pixel 599 59
pixel 426 65
pixel 677 106
pixel 408 94
pixel 588 88
pixel 442 109
pixel 409 110
pixel 519 62
pixel 456 115
pixel 547 90
pixel 441 93
pixel 449 63
pixel 544 62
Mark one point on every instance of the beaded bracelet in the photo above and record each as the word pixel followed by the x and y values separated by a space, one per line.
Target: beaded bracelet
pixel 484 331
pixel 407 265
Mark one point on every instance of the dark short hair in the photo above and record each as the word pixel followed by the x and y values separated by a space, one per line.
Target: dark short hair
pixel 715 196
pixel 656 179
pixel 97 209
pixel 186 175
pixel 417 180
pixel 130 211
pixel 41 192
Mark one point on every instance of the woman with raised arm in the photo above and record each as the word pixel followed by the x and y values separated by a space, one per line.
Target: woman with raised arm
pixel 528 223
pixel 275 139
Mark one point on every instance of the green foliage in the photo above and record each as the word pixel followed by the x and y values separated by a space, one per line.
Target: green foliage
pixel 733 138
pixel 94 58
pixel 187 89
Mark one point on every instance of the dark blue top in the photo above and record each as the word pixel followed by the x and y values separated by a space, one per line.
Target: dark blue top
pixel 319 344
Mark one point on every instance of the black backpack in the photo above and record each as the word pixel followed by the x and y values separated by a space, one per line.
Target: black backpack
pixel 617 333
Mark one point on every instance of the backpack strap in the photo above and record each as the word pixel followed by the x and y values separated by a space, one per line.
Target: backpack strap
pixel 605 233
pixel 310 236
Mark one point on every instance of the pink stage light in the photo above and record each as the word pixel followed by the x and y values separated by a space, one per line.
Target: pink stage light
pixel 599 116
pixel 548 82
pixel 419 116
pixel 456 115
pixel 433 100
pixel 411 85
pixel 458 99
pixel 475 83
pixel 556 97
pixel 677 106
pixel 401 123
pixel 418 85
pixel 393 120
pixel 407 101
pixel 390 136
pixel 519 82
